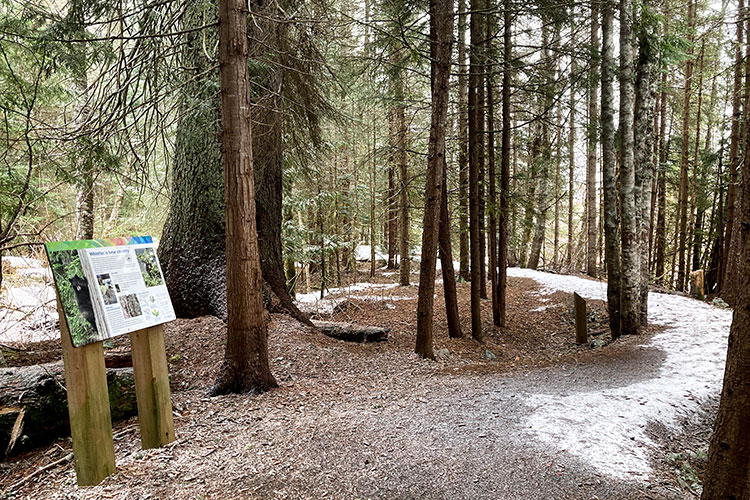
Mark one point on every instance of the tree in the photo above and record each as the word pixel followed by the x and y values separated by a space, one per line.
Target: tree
pixel 611 233
pixel 463 163
pixel 728 465
pixel 475 82
pixel 441 34
pixel 502 254
pixel 591 143
pixel 245 367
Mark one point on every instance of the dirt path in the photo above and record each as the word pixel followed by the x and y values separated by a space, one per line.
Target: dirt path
pixel 353 421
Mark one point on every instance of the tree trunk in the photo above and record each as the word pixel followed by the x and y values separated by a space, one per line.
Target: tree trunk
pixel 644 154
pixel 392 197
pixel 463 161
pixel 503 237
pixel 192 248
pixel 629 293
pixel 661 237
pixel 683 199
pixel 403 209
pixel 446 263
pixel 571 160
pixel 245 367
pixel 734 145
pixel 591 146
pixel 609 179
pixel 491 175
pixel 441 36
pixel 728 465
pixel 475 82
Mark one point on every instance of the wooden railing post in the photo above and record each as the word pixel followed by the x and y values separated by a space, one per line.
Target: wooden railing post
pixel 581 321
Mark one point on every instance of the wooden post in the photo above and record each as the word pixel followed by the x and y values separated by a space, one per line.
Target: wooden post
pixel 152 387
pixel 88 407
pixel 581 321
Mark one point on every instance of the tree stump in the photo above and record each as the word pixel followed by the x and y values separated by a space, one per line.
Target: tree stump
pixel 581 320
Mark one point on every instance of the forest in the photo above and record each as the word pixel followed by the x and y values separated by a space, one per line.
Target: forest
pixel 416 248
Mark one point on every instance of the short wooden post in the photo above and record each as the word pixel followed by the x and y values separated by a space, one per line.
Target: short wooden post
pixel 152 387
pixel 88 407
pixel 581 321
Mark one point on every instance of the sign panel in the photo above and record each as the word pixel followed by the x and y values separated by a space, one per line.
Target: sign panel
pixel 109 287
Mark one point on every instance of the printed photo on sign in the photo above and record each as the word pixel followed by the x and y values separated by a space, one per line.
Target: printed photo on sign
pixel 109 287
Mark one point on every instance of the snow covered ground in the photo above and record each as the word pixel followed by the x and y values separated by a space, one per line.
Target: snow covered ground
pixel 27 302
pixel 607 427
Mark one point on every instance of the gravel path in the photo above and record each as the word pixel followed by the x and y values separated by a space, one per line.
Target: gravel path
pixel 573 431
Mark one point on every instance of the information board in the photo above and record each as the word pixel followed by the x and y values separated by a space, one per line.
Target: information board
pixel 109 287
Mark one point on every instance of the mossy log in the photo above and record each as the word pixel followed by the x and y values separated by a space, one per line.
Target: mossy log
pixel 33 401
pixel 350 332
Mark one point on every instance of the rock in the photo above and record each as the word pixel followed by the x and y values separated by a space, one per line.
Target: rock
pixel 596 343
pixel 442 353
pixel 351 332
pixel 489 355
pixel 720 303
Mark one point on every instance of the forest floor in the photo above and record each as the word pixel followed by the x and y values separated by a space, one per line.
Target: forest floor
pixel 528 414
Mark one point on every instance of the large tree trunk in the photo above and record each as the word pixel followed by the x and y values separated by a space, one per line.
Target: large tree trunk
pixel 728 466
pixel 245 367
pixel 441 35
pixel 591 145
pixel 609 179
pixel 463 160
pixel 192 248
pixel 475 82
pixel 503 237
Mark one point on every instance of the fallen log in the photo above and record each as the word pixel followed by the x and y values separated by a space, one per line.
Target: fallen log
pixel 350 332
pixel 34 403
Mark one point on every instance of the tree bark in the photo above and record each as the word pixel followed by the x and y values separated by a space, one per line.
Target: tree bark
pixel 491 174
pixel 734 145
pixel 446 263
pixel 728 465
pixel 403 209
pixel 441 36
pixel 475 82
pixel 591 147
pixel 660 237
pixel 609 179
pixel 629 297
pixel 245 367
pixel 463 161
pixel 503 239
pixel 684 155
pixel 643 154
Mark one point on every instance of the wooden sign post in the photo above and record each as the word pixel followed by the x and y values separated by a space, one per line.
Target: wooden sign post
pixel 152 387
pixel 88 407
pixel 581 322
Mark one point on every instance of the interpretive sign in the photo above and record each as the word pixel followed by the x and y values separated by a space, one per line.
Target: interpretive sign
pixel 109 287
pixel 106 288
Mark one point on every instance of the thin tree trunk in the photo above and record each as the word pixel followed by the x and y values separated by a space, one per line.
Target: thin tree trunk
pixel 661 218
pixel 475 82
pixel 591 145
pixel 245 367
pixel 446 263
pixel 683 199
pixel 463 160
pixel 503 237
pixel 403 209
pixel 492 177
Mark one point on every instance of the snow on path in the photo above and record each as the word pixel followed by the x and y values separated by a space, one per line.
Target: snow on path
pixel 607 427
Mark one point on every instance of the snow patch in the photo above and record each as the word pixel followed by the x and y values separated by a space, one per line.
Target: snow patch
pixel 607 428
